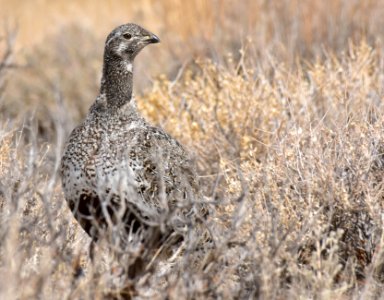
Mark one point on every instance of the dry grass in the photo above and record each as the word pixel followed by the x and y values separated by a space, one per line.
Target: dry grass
pixel 280 102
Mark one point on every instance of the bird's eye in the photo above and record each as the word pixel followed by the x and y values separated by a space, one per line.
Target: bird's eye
pixel 127 36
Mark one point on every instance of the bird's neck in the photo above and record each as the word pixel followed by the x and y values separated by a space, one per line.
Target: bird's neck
pixel 117 81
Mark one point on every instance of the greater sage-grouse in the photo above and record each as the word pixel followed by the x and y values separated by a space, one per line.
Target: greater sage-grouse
pixel 119 173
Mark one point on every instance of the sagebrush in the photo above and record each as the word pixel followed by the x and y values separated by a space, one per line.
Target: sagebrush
pixel 288 145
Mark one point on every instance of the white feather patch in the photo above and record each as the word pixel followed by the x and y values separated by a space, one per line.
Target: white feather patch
pixel 121 48
pixel 129 67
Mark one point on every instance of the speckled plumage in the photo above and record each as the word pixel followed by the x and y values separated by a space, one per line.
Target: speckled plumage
pixel 117 169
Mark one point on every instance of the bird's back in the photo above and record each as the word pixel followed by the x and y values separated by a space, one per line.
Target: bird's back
pixel 117 167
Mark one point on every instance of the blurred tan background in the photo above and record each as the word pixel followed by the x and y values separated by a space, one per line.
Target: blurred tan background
pixel 59 44
pixel 298 25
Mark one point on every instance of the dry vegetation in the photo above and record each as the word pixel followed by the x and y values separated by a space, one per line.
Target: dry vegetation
pixel 281 103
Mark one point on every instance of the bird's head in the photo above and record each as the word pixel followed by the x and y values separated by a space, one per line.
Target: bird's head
pixel 126 41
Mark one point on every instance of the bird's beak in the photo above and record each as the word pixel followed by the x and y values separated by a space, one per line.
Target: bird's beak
pixel 152 39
